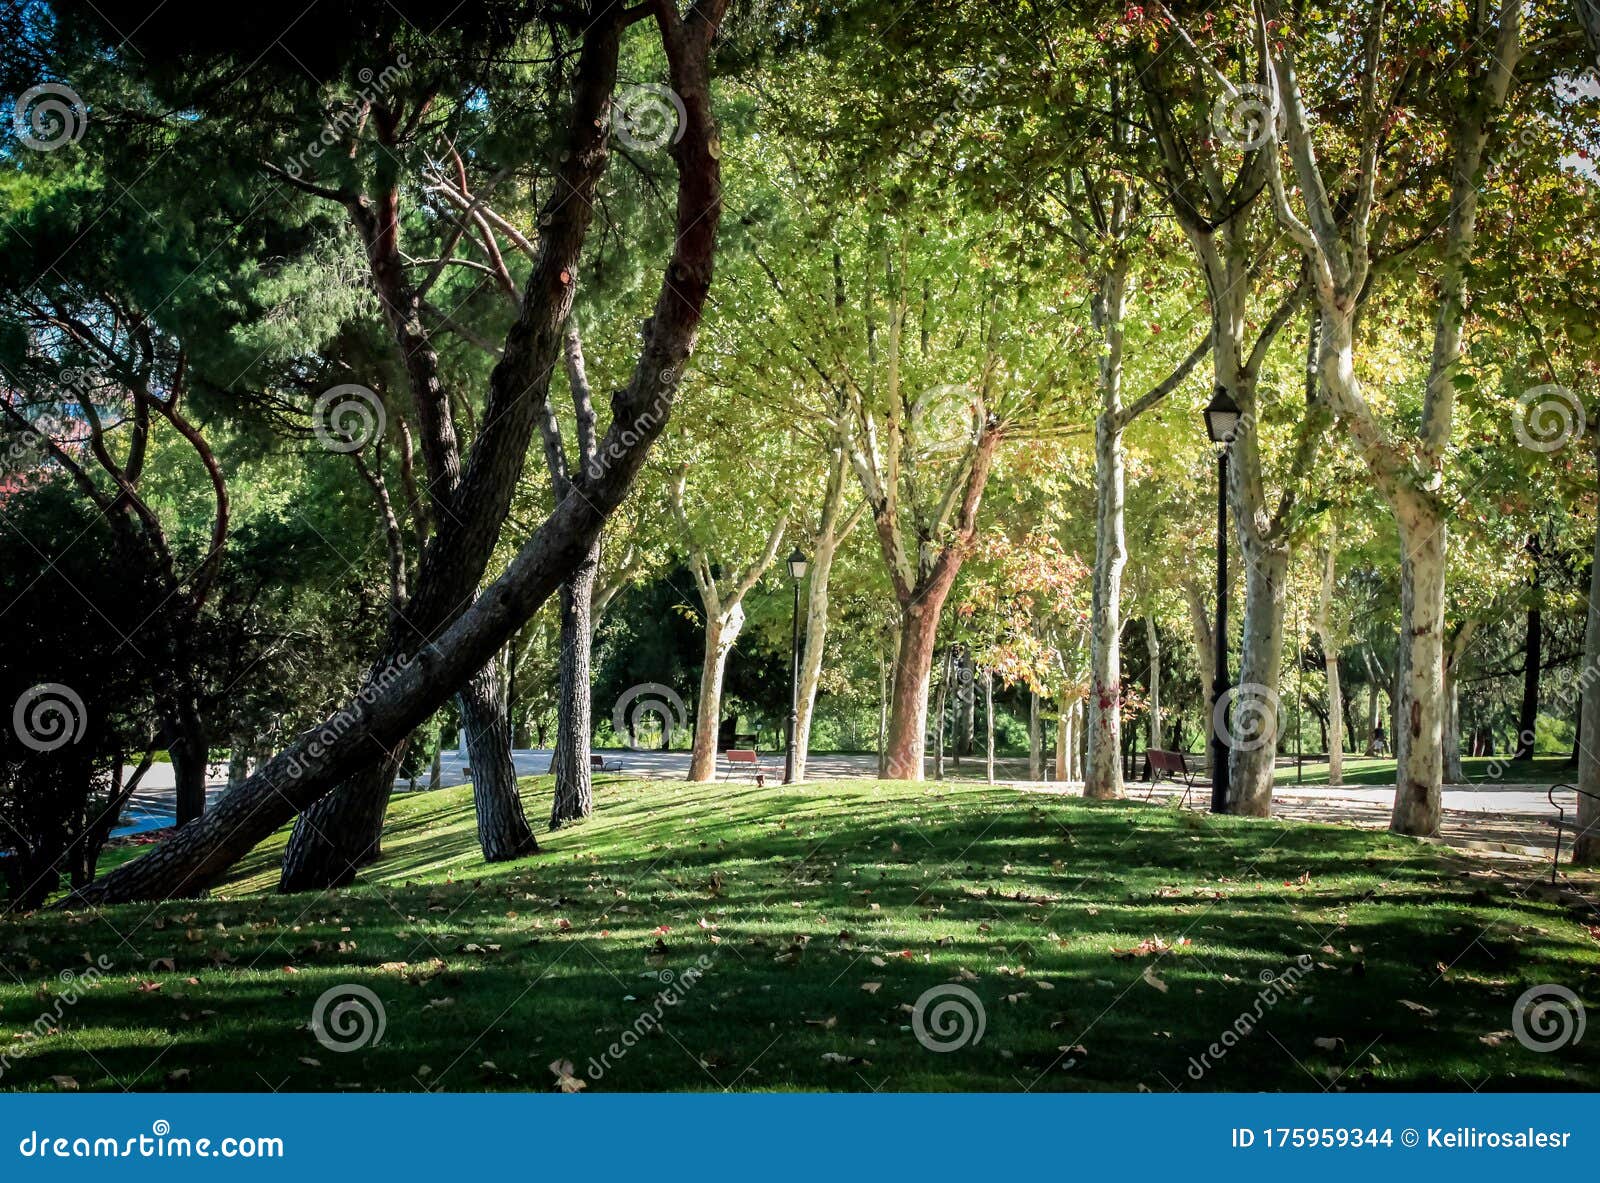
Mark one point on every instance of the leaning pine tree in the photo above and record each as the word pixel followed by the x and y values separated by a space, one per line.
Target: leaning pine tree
pixel 403 690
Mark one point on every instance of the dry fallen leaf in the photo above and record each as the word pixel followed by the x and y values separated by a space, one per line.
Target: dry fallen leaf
pixel 565 1080
pixel 1426 1012
pixel 70 1083
pixel 871 987
pixel 1150 979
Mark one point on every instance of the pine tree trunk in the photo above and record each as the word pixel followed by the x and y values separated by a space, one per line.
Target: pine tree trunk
pixel 189 752
pixel 1419 723
pixel 342 832
pixel 721 633
pixel 574 790
pixel 503 830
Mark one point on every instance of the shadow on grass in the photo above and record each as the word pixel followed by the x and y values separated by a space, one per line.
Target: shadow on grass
pixel 728 936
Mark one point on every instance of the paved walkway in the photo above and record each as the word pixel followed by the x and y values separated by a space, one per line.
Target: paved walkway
pixel 1510 818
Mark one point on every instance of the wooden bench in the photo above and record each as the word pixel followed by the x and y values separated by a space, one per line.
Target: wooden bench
pixel 1160 763
pixel 597 763
pixel 745 760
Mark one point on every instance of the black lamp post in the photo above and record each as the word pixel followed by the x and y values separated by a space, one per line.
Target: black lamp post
pixel 797 571
pixel 1222 421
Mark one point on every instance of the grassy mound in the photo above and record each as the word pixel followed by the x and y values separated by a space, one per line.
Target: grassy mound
pixel 733 937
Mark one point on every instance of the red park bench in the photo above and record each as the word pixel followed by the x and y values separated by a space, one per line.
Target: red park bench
pixel 1171 765
pixel 745 760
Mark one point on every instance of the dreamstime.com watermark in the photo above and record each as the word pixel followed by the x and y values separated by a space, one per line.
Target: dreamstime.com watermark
pixel 948 1017
pixel 1276 987
pixel 674 989
pixel 1247 117
pixel 350 115
pixel 49 116
pixel 1246 717
pixel 648 116
pixel 158 1143
pixel 347 418
pixel 348 1017
pixel 335 729
pixel 1547 1018
pixel 49 716
pixel 644 426
pixel 49 1020
pixel 1548 417
pixel 648 700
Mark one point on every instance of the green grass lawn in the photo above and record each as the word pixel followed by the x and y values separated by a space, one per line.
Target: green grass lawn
pixel 1107 944
pixel 1375 770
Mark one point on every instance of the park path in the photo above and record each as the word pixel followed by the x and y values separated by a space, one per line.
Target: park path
pixel 1505 818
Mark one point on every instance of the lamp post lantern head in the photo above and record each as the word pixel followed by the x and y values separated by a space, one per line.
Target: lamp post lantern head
pixel 797 564
pixel 1222 416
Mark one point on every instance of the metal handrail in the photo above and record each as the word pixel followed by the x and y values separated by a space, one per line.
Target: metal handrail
pixel 1561 818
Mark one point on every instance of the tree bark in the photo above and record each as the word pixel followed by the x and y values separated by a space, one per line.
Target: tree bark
pixel 342 832
pixel 1532 659
pixel 966 704
pixel 1330 638
pixel 1253 732
pixel 1035 738
pixel 831 529
pixel 905 744
pixel 1063 742
pixel 1153 647
pixel 574 792
pixel 988 725
pixel 1420 768
pixel 1586 849
pixel 1205 653
pixel 1452 690
pixel 885 689
pixel 503 830
pixel 939 713
pixel 1103 776
pixel 189 750
pixel 721 633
